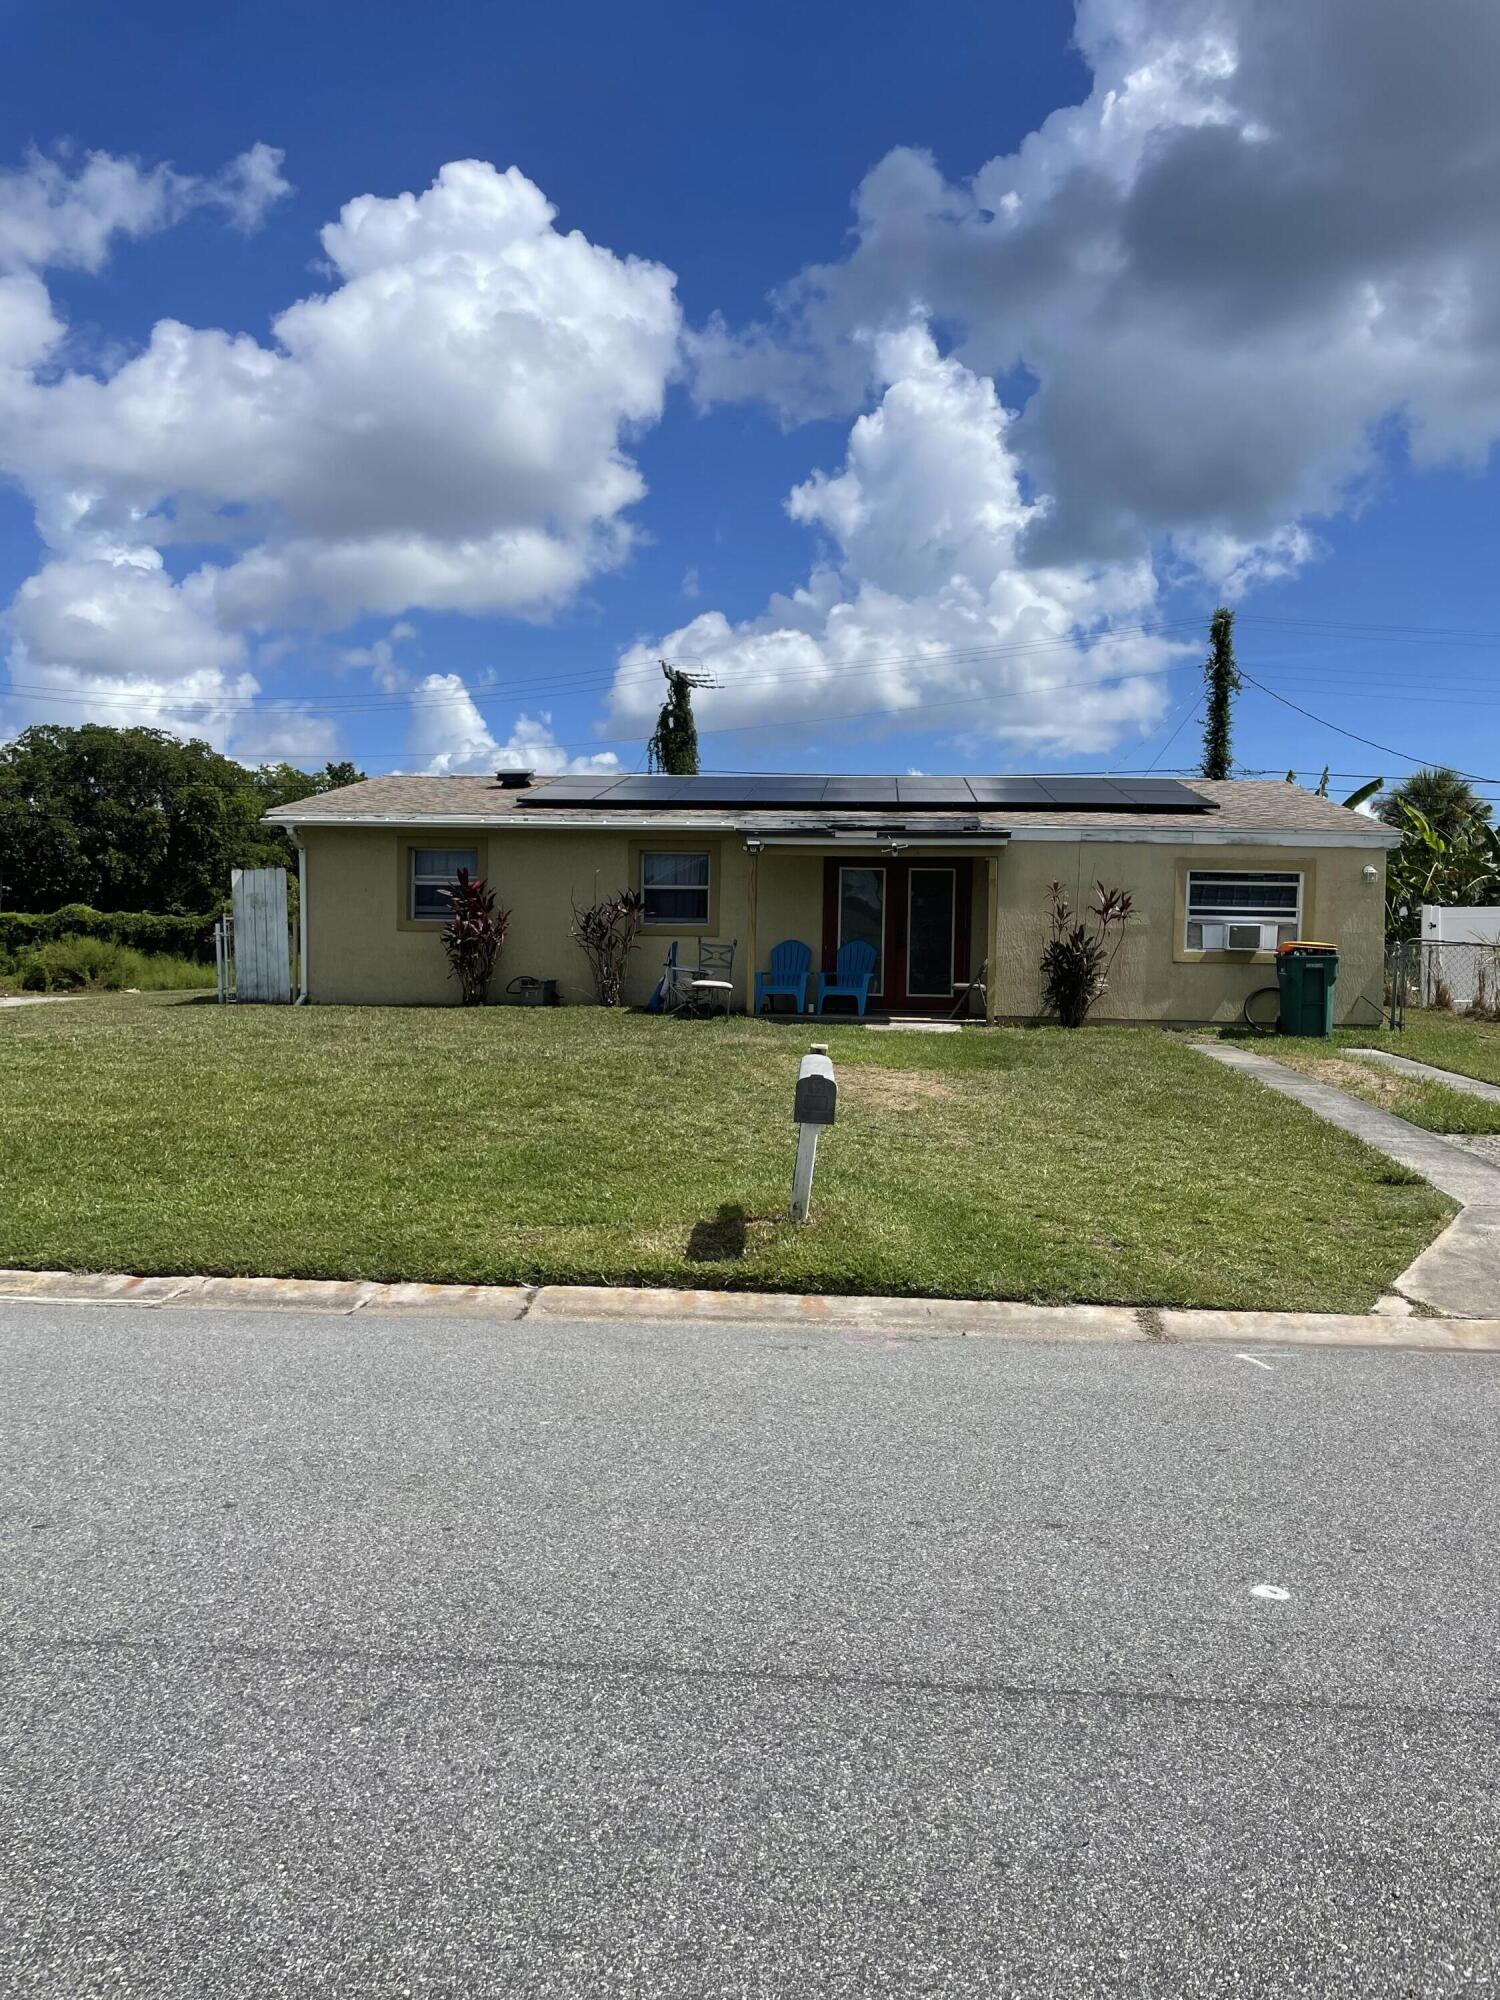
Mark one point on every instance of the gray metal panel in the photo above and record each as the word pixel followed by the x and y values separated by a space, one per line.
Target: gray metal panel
pixel 262 937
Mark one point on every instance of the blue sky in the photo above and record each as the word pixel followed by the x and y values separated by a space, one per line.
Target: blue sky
pixel 924 376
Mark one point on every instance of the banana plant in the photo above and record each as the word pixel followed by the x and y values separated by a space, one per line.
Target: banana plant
pixel 1356 799
pixel 1429 867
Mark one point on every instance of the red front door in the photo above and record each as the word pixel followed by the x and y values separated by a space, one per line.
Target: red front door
pixel 915 913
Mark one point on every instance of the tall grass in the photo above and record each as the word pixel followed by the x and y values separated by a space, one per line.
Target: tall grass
pixel 78 964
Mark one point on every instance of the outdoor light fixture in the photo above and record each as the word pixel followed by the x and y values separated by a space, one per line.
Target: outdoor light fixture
pixel 1370 872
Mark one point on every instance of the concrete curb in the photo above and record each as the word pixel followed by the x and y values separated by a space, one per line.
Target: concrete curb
pixel 906 1319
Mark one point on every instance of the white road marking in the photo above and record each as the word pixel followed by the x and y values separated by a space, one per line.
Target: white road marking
pixel 1256 1362
pixel 1272 1590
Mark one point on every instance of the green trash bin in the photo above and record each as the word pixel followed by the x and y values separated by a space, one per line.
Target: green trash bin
pixel 1306 973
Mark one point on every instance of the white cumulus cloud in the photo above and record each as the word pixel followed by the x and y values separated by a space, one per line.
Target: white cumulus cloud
pixel 1269 234
pixel 920 612
pixel 55 213
pixel 446 734
pixel 445 427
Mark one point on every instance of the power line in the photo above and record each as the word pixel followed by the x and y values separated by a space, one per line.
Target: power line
pixel 1368 741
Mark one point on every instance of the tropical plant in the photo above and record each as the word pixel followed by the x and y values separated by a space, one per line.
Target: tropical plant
pixel 607 933
pixel 1356 799
pixel 1459 868
pixel 1078 955
pixel 1221 682
pixel 1443 797
pixel 473 935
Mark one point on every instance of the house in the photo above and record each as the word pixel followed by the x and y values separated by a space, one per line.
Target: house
pixel 947 877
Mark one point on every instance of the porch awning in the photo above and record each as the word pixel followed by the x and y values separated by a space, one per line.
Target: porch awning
pixel 884 833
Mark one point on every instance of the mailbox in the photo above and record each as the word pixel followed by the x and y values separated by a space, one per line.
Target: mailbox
pixel 817 1096
pixel 813 1107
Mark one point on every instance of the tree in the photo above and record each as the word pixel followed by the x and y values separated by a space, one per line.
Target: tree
pixel 135 819
pixel 284 784
pixel 674 745
pixel 1221 681
pixel 1447 802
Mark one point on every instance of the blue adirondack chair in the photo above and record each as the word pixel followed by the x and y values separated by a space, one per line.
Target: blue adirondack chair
pixel 852 973
pixel 790 963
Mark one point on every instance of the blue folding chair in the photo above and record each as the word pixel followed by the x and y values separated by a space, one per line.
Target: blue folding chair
pixel 853 970
pixel 790 964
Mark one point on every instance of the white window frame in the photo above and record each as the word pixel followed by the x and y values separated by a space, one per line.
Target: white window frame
pixel 705 888
pixel 416 878
pixel 1249 913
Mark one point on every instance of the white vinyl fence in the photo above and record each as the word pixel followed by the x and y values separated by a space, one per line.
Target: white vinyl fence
pixel 1459 957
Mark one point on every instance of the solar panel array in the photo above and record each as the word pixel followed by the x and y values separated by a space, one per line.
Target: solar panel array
pixel 753 790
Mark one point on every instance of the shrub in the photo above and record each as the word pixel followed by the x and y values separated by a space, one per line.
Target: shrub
pixel 472 937
pixel 1076 959
pixel 136 930
pixel 607 933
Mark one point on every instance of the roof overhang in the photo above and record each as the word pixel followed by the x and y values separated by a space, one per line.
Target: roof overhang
pixel 867 837
pixel 1187 834
pixel 1212 836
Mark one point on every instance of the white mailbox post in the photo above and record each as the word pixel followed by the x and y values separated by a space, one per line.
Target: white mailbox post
pixel 814 1107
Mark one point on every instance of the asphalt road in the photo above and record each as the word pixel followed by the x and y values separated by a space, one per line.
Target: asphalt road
pixel 378 1657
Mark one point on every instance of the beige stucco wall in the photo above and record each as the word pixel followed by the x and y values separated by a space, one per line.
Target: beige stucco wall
pixel 1154 977
pixel 361 949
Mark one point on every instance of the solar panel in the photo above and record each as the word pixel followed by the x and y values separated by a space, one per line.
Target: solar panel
pixel 860 792
pixel 1008 792
pixel 1082 792
pixel 1162 795
pixel 558 789
pixel 926 791
pixel 755 790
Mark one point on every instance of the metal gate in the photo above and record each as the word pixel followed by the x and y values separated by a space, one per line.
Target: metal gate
pixel 253 947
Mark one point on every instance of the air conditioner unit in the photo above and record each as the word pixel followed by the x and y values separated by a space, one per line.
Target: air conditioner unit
pixel 1251 937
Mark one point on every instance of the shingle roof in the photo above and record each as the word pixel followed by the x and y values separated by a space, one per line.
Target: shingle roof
pixel 1256 805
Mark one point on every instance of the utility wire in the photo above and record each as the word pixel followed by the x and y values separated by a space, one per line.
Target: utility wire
pixel 1368 741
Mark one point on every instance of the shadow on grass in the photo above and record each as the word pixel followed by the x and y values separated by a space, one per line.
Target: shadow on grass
pixel 719 1238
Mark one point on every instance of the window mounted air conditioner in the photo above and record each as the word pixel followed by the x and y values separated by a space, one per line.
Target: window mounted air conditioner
pixel 1251 937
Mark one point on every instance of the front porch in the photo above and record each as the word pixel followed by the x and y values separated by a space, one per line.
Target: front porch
pixel 925 908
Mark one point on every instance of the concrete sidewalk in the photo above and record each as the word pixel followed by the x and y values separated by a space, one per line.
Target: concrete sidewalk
pixel 1470 1086
pixel 1455 1172
pixel 836 1316
pixel 1458 1274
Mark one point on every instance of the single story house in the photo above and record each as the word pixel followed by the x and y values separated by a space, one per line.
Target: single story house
pixel 947 877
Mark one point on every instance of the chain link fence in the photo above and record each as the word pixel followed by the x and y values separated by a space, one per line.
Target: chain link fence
pixel 1457 978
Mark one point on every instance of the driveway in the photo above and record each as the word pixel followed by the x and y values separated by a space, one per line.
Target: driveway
pixel 381 1657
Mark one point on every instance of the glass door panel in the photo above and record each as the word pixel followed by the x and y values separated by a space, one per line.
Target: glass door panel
pixel 931 899
pixel 862 914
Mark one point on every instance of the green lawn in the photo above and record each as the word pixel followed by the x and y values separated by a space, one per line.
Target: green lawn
pixel 1447 1041
pixel 154 1134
